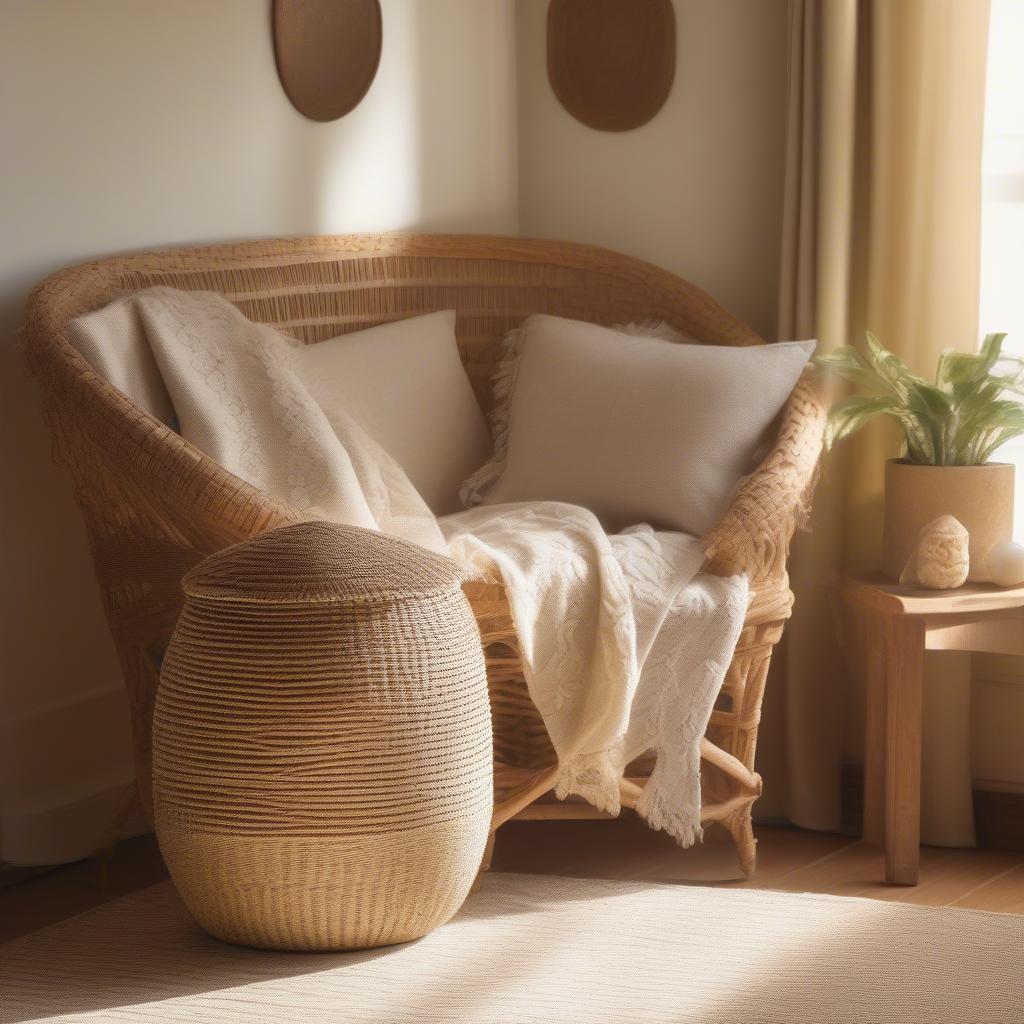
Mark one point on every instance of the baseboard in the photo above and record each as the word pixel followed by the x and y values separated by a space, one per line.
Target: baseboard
pixel 11 874
pixel 851 815
pixel 71 831
pixel 999 820
pixel 66 778
pixel 998 814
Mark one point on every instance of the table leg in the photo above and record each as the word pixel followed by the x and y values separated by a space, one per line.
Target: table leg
pixel 904 671
pixel 871 629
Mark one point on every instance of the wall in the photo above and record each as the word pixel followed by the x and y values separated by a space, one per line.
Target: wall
pixel 698 189
pixel 129 124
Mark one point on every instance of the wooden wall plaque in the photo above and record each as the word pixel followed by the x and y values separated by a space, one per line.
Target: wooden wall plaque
pixel 611 63
pixel 327 52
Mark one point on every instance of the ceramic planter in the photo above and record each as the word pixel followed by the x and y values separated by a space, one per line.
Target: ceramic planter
pixel 981 497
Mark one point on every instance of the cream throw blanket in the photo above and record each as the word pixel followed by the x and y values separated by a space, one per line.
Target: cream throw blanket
pixel 625 642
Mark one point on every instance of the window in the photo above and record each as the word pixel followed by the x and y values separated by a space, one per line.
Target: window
pixel 1002 218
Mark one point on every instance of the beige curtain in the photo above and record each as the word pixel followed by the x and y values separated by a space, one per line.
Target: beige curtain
pixel 881 231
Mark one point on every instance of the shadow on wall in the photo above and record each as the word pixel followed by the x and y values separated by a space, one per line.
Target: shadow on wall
pixel 467 145
pixel 432 147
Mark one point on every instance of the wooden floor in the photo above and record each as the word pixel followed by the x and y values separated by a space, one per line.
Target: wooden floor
pixel 788 859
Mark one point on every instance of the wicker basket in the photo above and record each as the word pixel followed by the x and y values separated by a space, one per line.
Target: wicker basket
pixel 322 742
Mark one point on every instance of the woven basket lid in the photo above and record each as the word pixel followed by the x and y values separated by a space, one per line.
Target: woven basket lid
pixel 322 562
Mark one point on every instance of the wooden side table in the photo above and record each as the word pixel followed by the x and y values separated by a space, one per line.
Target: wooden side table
pixel 897 625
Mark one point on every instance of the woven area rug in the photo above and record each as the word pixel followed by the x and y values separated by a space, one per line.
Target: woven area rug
pixel 532 948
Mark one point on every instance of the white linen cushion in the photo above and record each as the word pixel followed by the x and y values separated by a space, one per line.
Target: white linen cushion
pixel 636 429
pixel 405 385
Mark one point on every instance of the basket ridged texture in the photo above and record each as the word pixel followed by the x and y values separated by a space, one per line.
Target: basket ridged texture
pixel 322 743
pixel 154 506
pixel 320 562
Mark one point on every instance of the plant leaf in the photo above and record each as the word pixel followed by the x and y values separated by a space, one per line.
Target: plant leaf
pixel 846 362
pixel 890 367
pixel 932 409
pixel 1002 422
pixel 848 416
pixel 980 418
pixel 960 369
pixel 961 418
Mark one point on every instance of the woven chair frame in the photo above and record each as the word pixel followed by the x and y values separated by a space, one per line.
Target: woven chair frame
pixel 154 506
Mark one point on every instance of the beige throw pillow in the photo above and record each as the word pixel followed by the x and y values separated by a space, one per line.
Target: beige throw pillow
pixel 405 385
pixel 636 429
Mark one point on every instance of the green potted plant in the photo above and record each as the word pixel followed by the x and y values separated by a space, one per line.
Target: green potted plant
pixel 951 427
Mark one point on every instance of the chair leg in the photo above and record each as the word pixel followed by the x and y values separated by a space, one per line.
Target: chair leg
pixel 741 827
pixel 485 864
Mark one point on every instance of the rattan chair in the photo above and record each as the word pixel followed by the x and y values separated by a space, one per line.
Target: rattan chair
pixel 154 506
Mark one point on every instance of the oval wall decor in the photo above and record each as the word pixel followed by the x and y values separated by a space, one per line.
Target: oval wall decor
pixel 327 52
pixel 611 63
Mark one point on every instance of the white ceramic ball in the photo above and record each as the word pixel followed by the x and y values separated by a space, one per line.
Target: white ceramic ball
pixel 1006 564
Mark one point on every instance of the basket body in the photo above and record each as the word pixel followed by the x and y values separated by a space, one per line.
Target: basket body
pixel 322 761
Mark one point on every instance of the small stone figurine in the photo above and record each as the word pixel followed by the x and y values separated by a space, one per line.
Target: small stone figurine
pixel 940 560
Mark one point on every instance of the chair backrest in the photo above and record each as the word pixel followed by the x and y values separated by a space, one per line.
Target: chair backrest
pixel 154 506
pixel 318 287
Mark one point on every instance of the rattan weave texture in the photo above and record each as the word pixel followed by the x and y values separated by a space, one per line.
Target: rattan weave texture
pixel 322 743
pixel 154 506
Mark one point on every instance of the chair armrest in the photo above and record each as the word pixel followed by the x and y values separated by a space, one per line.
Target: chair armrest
pixel 753 534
